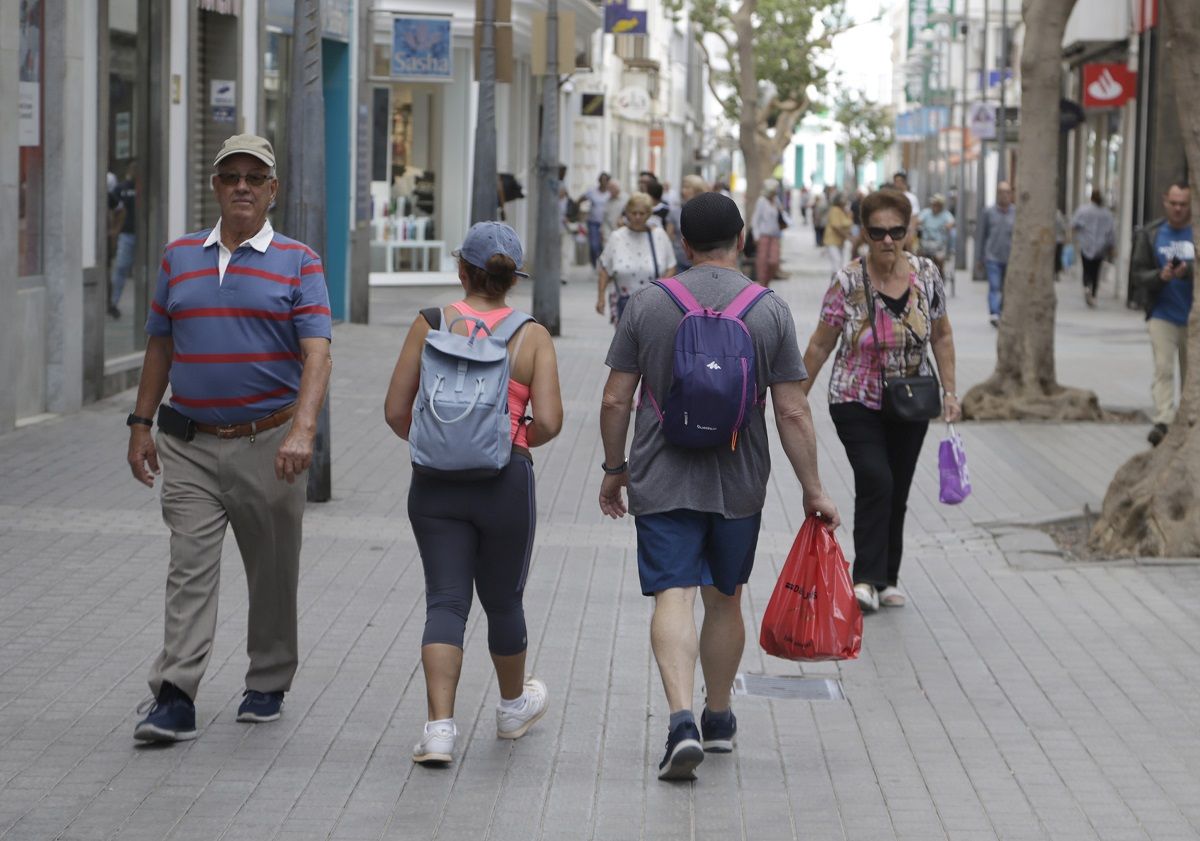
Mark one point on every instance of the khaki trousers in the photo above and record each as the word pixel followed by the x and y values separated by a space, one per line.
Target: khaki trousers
pixel 209 483
pixel 1168 341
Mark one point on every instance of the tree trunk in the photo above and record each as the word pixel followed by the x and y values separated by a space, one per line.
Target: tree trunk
pixel 1151 505
pixel 743 26
pixel 1024 384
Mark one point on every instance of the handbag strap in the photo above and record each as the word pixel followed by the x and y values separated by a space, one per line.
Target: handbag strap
pixel 874 336
pixel 653 253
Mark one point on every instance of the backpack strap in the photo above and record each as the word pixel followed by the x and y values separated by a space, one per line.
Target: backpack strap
pixel 679 293
pixel 508 326
pixel 433 317
pixel 744 300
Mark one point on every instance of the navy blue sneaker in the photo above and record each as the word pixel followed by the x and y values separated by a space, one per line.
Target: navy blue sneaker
pixel 171 717
pixel 718 732
pixel 684 753
pixel 258 707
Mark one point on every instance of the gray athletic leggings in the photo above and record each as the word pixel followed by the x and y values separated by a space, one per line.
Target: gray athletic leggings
pixel 475 533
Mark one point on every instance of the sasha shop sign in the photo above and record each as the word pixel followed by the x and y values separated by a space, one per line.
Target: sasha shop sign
pixel 421 49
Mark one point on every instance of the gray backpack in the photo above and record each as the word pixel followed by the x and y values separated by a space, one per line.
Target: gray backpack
pixel 461 428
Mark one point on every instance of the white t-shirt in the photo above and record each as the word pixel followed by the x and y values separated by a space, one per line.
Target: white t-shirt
pixel 629 261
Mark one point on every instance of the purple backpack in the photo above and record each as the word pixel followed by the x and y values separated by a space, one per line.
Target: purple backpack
pixel 713 384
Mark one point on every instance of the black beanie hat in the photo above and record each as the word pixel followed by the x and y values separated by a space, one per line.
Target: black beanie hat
pixel 710 218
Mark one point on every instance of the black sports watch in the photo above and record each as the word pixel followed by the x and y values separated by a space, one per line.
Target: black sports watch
pixel 136 419
pixel 614 471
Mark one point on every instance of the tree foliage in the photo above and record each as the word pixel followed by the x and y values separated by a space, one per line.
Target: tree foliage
pixel 765 69
pixel 868 127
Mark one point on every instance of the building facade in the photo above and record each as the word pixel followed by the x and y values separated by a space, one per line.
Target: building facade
pixel 123 103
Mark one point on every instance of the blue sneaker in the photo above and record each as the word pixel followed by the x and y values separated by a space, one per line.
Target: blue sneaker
pixel 171 717
pixel 718 734
pixel 259 707
pixel 684 753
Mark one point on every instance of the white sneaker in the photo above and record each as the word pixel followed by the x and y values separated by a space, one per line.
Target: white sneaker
pixel 513 724
pixel 892 597
pixel 436 745
pixel 868 599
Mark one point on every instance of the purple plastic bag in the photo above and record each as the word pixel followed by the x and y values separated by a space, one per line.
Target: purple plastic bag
pixel 952 466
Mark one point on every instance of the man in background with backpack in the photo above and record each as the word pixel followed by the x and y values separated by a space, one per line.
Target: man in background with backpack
pixel 698 507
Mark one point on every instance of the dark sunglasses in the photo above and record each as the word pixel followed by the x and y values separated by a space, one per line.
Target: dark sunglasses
pixel 897 233
pixel 253 179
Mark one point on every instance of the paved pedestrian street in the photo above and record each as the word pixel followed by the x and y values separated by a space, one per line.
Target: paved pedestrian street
pixel 1018 696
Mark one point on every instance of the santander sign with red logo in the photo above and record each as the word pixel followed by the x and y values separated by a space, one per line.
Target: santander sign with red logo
pixel 1108 85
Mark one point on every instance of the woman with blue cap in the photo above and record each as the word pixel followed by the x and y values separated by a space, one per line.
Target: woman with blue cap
pixel 477 535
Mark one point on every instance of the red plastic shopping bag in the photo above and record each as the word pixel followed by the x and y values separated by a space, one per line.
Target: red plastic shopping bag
pixel 813 614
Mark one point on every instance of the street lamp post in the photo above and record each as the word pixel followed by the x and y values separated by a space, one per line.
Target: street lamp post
pixel 484 195
pixel 981 162
pixel 546 258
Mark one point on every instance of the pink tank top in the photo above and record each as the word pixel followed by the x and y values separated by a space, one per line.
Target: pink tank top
pixel 518 393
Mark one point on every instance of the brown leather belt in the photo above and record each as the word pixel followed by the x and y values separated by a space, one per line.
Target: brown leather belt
pixel 241 430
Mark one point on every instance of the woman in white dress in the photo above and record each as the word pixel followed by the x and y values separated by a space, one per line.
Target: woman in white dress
pixel 634 256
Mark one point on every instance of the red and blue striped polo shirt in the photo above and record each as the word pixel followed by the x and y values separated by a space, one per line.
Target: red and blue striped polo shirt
pixel 237 341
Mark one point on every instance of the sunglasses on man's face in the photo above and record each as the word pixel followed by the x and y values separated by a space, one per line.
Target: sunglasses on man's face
pixel 253 179
pixel 897 233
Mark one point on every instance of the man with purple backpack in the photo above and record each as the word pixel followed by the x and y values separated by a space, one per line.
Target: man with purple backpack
pixel 704 347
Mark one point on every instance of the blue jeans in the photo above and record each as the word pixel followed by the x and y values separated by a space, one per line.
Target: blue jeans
pixel 595 241
pixel 122 266
pixel 995 277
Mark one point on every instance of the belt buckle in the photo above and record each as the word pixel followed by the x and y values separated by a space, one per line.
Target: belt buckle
pixel 227 431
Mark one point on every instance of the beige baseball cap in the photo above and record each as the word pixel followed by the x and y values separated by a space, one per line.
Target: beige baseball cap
pixel 247 144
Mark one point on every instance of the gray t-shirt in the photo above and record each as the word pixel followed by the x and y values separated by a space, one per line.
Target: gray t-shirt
pixel 663 477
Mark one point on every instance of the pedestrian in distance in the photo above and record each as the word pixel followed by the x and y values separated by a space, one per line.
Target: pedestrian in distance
pixel 123 198
pixel 805 198
pixel 882 314
pixel 837 232
pixel 636 255
pixel 693 185
pixel 900 182
pixel 474 525
pixel 696 493
pixel 614 211
pixel 240 327
pixel 998 222
pixel 660 214
pixel 820 213
pixel 1094 232
pixel 596 199
pixel 767 224
pixel 1163 269
pixel 935 225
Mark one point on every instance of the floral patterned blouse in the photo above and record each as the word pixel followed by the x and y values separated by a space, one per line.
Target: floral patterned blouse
pixel 904 338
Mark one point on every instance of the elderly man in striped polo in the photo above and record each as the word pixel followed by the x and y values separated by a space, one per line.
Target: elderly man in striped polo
pixel 240 328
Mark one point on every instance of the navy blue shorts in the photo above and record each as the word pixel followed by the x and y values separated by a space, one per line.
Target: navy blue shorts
pixel 684 548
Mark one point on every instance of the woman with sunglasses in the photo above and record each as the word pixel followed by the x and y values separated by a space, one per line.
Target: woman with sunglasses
pixel 904 295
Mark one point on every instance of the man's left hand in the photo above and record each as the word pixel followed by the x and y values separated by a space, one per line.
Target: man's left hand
pixel 294 455
pixel 612 501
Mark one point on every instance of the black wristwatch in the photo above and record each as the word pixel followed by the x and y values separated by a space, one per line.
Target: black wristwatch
pixel 136 419
pixel 615 471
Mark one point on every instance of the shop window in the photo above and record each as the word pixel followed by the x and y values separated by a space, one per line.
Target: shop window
pixel 125 175
pixel 31 187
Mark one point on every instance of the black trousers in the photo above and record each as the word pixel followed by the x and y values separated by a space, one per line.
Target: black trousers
pixel 1091 272
pixel 883 454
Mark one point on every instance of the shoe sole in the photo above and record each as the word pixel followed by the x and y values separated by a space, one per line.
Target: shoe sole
pixel 683 761
pixel 523 729
pixel 718 745
pixel 150 733
pixel 255 718
pixel 433 759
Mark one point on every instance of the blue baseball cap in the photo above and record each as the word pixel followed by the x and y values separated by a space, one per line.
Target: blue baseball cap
pixel 486 239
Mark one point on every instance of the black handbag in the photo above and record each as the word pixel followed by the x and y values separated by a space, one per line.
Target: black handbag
pixel 911 399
